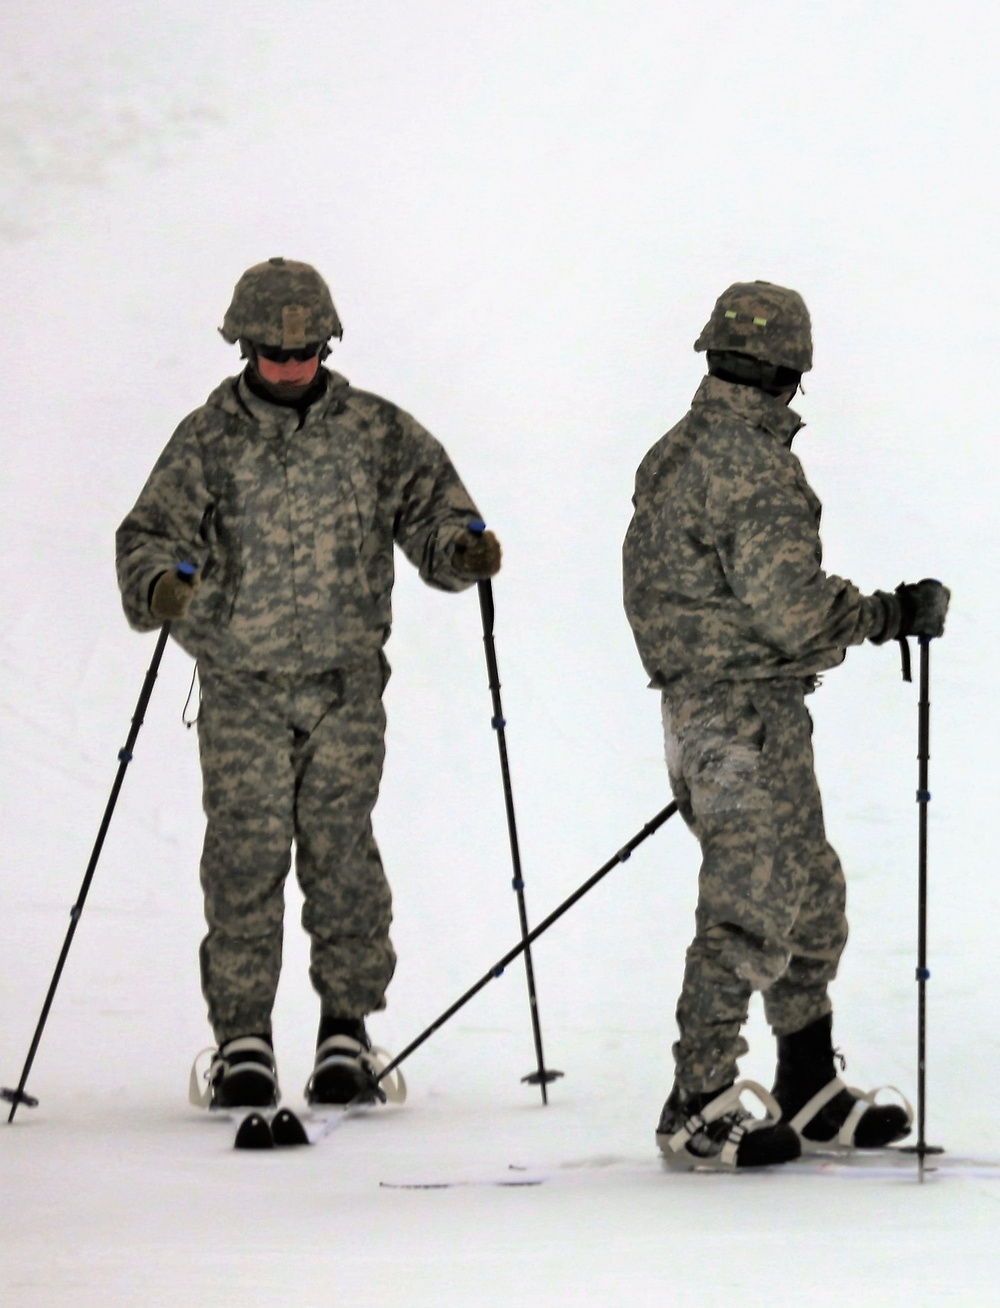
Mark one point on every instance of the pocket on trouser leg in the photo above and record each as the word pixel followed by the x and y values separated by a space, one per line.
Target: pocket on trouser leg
pixel 740 886
pixel 742 913
pixel 718 748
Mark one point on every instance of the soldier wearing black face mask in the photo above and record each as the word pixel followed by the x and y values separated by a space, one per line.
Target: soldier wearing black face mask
pixel 734 618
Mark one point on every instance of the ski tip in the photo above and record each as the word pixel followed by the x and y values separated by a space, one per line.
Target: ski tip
pixel 254 1133
pixel 287 1129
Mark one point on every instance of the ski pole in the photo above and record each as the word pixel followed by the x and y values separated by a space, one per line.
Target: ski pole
pixel 922 1148
pixel 542 1076
pixel 18 1096
pixel 497 969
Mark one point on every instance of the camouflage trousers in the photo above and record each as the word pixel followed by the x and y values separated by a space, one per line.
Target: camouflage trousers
pixel 771 892
pixel 292 760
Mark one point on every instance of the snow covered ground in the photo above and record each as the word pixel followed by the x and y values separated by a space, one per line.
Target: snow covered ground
pixel 525 212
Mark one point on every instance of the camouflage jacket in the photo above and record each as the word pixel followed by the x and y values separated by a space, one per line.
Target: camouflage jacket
pixel 291 523
pixel 722 560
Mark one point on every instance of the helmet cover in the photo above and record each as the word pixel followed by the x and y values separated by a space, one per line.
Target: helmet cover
pixel 281 303
pixel 767 322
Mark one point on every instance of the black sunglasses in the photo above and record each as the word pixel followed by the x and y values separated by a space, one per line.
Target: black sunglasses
pixel 275 355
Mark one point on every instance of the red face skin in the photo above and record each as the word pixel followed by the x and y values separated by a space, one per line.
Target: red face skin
pixel 292 374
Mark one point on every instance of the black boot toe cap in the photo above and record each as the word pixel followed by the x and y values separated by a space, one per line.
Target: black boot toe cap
pixel 881 1125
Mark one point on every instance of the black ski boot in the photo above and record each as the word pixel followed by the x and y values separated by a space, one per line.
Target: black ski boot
pixel 828 1114
pixel 346 1070
pixel 243 1074
pixel 716 1132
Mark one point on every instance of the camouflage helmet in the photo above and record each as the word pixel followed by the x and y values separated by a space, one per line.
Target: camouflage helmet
pixel 767 322
pixel 281 303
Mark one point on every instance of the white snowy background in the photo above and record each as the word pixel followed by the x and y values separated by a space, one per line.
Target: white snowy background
pixel 525 212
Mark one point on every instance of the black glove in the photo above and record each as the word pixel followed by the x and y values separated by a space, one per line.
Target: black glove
pixel 477 555
pixel 923 606
pixel 913 609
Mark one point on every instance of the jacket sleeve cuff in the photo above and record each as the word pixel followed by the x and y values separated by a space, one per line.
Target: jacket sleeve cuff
pixel 439 567
pixel 887 617
pixel 150 589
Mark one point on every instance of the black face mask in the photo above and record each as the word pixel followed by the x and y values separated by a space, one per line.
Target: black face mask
pixel 745 370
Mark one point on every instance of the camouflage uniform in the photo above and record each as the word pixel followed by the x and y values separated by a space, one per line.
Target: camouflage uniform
pixel 734 616
pixel 291 518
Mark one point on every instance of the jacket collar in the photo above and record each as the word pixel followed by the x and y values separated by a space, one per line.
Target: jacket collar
pixel 749 405
pixel 234 397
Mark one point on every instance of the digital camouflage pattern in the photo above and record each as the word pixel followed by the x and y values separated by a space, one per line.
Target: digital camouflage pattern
pixel 733 617
pixel 771 891
pixel 288 758
pixel 281 303
pixel 722 560
pixel 763 320
pixel 291 520
pixel 292 527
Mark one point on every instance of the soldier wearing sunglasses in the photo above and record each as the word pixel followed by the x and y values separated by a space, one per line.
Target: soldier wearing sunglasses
pixel 288 490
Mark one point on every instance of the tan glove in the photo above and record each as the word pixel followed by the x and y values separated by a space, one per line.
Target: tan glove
pixel 172 595
pixel 478 555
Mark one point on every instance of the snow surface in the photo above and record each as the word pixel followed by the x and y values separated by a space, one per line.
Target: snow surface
pixel 525 212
